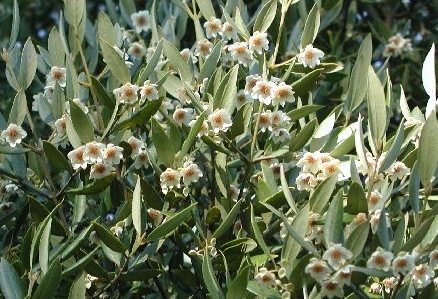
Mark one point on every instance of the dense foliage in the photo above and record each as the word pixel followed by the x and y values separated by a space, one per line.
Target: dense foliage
pixel 171 149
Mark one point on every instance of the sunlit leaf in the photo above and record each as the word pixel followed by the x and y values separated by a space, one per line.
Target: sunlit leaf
pixel 266 16
pixel 311 27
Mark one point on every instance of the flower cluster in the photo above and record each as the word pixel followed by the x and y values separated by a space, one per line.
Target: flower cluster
pixel 189 173
pixel 397 46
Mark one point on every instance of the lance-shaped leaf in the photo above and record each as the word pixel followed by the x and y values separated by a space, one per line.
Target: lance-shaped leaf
pixel 206 8
pixel 177 61
pixel 165 150
pixel 333 229
pixel 78 289
pixel 225 96
pixel 141 117
pixel 95 187
pixel 50 282
pixel 429 80
pixel 136 207
pixel 228 222
pixel 394 150
pixel 303 136
pixel 357 239
pixel 302 86
pixel 266 16
pixel 115 62
pixel 105 29
pixel 28 64
pixel 376 107
pixel 427 150
pixel 210 63
pixel 55 157
pixel 10 283
pixel 241 121
pixel 321 196
pixel 44 247
pixel 170 225
pixel 15 26
pixel 152 64
pixel 74 10
pixel 301 112
pixel 188 142
pixel 108 238
pixel 19 108
pixel 311 27
pixel 81 123
pixel 210 280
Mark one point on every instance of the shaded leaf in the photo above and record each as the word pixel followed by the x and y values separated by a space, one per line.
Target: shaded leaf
pixel 209 276
pixel 427 153
pixel 10 283
pixel 333 226
pixel 48 286
pixel 108 238
pixel 95 187
pixel 19 108
pixel 162 143
pixel 141 117
pixel 301 112
pixel 55 157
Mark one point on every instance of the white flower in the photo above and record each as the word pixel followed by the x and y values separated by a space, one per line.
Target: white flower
pixel 422 275
pixel 375 218
pixel 190 173
pixel 94 152
pixel 358 220
pixel 228 31
pixel 265 278
pixel 331 288
pixel 250 82
pixel 403 263
pixel 141 159
pixel 117 231
pixel 112 154
pixel 137 50
pixel 220 120
pixel 141 21
pixel 13 134
pixel 203 48
pixel 374 201
pixel 329 168
pixel 204 127
pixel 310 56
pixel 433 258
pixel 263 91
pixel 380 259
pixel 318 269
pixel 310 162
pixel 233 192
pixel 89 279
pixel 258 42
pixel 397 45
pixel 149 91
pixel 183 116
pixel 280 135
pixel 213 27
pixel 57 74
pixel 100 170
pixel 282 94
pixel 156 216
pixel 306 181
pixel 398 171
pixel 136 146
pixel 61 126
pixel 127 94
pixel 169 178
pixel 265 121
pixel 375 288
pixel 76 157
pixel 343 275
pixel 279 119
pixel 239 51
pixel 336 255
pixel 188 55
pixel 389 283
pixel 242 98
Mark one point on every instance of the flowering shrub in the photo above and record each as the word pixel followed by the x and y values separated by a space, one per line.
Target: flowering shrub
pixel 141 169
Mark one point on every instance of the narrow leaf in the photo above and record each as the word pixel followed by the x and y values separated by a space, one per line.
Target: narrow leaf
pixel 77 290
pixel 95 187
pixel 81 123
pixel 376 107
pixel 321 196
pixel 210 281
pixel 228 222
pixel 108 238
pixel 136 207
pixel 15 25
pixel 311 27
pixel 55 157
pixel 427 151
pixel 19 108
pixel 333 229
pixel 28 64
pixel 225 96
pixel 162 142
pixel 10 283
pixel 266 16
pixel 50 282
pixel 115 62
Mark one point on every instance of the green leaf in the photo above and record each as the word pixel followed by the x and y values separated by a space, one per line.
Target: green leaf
pixel 291 248
pixel 209 276
pixel 210 63
pixel 302 86
pixel 382 230
pixel 418 235
pixel 95 187
pixel 394 150
pixel 169 225
pixel 77 290
pixel 177 61
pixel 102 93
pixel 105 30
pixel 7 150
pixel 356 87
pixel 206 8
pixel 376 108
pixel 76 244
pixel 268 293
pixel 55 157
pixel 81 123
pixel 40 213
pixel 136 207
pixel 303 136
pixel 241 121
pixel 73 11
pixel 10 283
pixel 80 264
pixel 228 222
pixel 356 200
pixel 427 151
pixel 311 27
pixel 28 64
pixel 115 62
pixel 301 112
pixel 333 229
pixel 400 233
pixel 141 117
pixel 15 26
pixel 357 239
pixel 191 138
pixel 44 247
pixel 152 64
pixel 266 16
pixel 321 196
pixel 50 282
pixel 162 143
pixel 19 108
pixel 431 234
pixel 108 238
pixel 414 188
pixel 237 287
pixel 56 49
pixel 258 235
pixel 225 96
pixel 72 134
